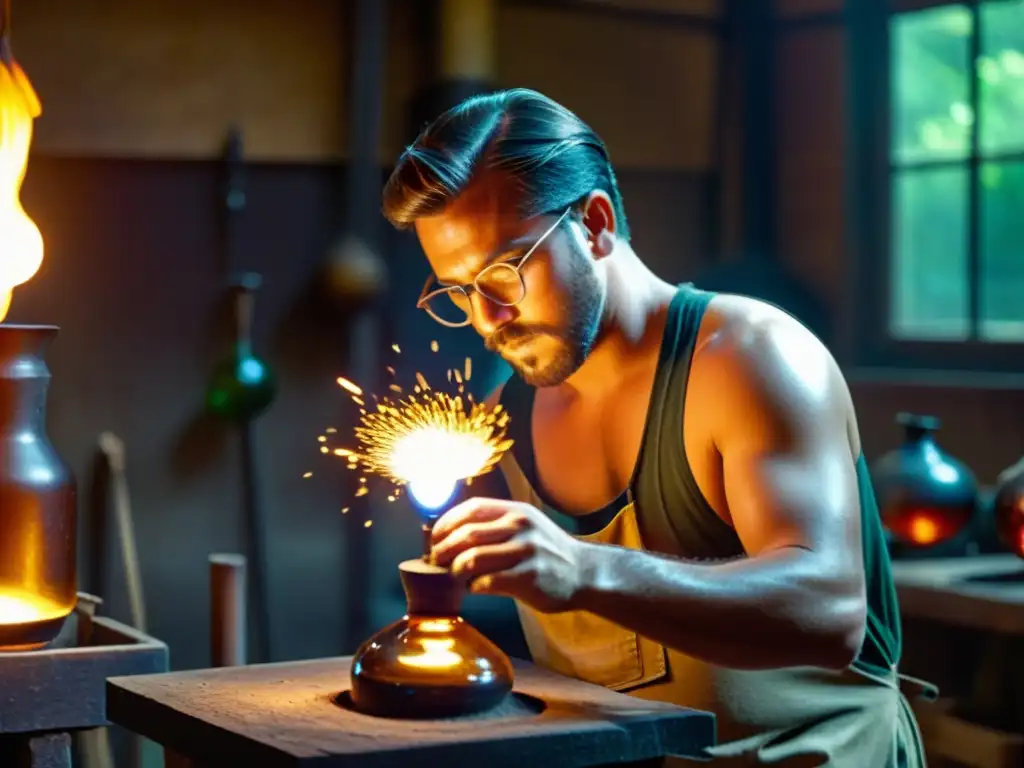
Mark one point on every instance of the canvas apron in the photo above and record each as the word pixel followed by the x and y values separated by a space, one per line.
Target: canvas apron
pixel 786 717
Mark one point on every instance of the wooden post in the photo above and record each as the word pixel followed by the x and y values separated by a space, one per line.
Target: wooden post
pixel 463 56
pixel 51 750
pixel 362 244
pixel 227 610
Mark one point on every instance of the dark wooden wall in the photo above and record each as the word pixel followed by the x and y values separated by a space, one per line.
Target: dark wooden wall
pixel 138 96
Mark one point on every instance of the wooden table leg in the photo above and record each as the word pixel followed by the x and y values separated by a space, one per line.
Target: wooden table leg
pixel 173 760
pixel 49 750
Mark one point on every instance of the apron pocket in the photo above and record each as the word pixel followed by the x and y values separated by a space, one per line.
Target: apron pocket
pixel 587 647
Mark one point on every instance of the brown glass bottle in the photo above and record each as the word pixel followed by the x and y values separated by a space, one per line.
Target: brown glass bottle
pixel 38 585
pixel 1008 507
pixel 431 663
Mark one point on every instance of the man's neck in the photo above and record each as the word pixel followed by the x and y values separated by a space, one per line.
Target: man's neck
pixel 633 324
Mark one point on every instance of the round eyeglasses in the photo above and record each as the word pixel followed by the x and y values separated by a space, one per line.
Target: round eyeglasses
pixel 501 283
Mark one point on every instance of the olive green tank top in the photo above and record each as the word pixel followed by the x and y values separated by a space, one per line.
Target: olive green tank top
pixel 673 516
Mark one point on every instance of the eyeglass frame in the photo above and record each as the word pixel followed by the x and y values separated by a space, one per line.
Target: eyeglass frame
pixel 426 296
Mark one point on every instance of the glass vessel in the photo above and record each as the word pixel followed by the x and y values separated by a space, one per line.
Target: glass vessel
pixel 242 385
pixel 38 507
pixel 1008 508
pixel 431 663
pixel 926 496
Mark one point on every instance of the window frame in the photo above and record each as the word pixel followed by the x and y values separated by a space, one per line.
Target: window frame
pixel 869 208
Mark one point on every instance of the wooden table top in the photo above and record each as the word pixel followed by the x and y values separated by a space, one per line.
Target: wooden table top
pixel 983 592
pixel 285 715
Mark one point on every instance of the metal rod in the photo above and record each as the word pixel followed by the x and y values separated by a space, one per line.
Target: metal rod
pixel 255 530
pixel 363 186
pixel 234 201
pixel 428 546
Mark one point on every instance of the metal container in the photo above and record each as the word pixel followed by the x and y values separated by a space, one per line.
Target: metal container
pixel 38 498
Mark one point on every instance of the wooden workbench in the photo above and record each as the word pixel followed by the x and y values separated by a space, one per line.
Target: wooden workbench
pixel 982 592
pixel 286 716
pixel 964 629
pixel 47 695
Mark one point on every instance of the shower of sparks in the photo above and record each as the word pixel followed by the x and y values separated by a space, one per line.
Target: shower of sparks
pixel 421 435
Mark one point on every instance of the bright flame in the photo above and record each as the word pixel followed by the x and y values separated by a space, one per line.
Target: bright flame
pixel 24 608
pixel 21 244
pixel 428 441
pixel 432 493
pixel 433 460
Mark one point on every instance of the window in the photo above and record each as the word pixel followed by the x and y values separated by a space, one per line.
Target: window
pixel 957 188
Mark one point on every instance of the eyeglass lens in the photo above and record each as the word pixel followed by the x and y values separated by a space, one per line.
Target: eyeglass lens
pixel 499 283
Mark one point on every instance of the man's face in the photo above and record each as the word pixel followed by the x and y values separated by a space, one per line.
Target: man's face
pixel 546 336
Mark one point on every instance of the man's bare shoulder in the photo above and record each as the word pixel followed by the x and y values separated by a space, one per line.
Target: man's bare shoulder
pixel 762 365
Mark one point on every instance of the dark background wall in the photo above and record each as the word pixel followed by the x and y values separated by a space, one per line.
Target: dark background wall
pixel 124 181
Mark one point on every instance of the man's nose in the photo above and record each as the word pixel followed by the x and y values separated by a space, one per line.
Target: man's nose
pixel 489 316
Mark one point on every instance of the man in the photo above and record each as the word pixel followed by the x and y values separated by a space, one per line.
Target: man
pixel 728 553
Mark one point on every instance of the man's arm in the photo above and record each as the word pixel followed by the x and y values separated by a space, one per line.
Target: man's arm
pixel 790 484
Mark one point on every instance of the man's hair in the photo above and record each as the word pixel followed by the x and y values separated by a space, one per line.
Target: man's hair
pixel 554 158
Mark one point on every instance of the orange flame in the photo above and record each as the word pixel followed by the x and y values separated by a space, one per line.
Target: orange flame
pixel 21 243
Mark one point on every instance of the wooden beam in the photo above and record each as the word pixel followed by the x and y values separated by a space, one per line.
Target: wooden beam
pixel 680 19
pixel 753 40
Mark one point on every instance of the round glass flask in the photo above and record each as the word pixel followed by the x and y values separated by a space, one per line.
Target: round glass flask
pixel 430 663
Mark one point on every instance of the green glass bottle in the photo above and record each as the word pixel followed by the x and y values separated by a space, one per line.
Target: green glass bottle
pixel 242 385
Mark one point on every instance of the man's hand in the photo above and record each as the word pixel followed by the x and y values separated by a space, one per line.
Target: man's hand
pixel 512 549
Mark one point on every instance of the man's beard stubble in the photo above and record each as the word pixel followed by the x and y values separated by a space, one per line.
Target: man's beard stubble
pixel 585 310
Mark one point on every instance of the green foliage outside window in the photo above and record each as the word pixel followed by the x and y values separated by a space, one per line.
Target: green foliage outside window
pixel 935 127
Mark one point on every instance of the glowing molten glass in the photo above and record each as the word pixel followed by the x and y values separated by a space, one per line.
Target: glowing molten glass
pixel 21 244
pixel 926 526
pixel 437 653
pixel 26 608
pixel 1008 507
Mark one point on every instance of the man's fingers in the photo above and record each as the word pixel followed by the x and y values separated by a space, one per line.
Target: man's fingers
pixel 469 535
pixel 471 510
pixel 507 583
pixel 490 559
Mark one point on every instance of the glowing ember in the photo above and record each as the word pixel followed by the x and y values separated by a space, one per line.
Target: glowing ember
pixel 427 441
pixel 21 244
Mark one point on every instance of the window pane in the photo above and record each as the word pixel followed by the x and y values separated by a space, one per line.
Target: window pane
pixel 929 266
pixel 1002 252
pixel 931 112
pixel 1001 77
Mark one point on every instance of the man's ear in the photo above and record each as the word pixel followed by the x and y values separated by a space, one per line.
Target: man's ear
pixel 599 223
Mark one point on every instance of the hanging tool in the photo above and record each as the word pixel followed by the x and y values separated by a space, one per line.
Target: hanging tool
pixel 242 387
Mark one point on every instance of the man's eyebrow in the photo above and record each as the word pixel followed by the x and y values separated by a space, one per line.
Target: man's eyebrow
pixel 508 251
